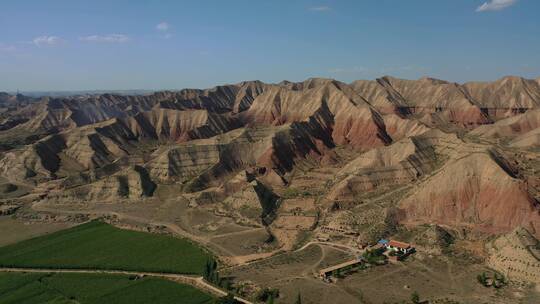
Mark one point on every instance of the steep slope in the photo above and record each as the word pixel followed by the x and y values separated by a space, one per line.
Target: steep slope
pixel 530 139
pixel 399 128
pixel 38 161
pixel 348 117
pixel 400 163
pixel 512 126
pixel 175 125
pixel 205 161
pixel 77 149
pixel 132 183
pixel 446 102
pixel 473 192
pixel 506 96
pixel 65 113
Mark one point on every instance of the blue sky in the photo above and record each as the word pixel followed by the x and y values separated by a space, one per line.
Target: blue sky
pixel 136 44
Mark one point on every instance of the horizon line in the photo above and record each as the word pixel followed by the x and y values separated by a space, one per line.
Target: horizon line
pixel 104 91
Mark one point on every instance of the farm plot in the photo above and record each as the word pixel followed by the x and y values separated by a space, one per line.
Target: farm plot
pixel 96 245
pixel 22 288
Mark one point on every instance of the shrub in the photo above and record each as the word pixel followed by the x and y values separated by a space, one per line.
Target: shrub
pixel 267 294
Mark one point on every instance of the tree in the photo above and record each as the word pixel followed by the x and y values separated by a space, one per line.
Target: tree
pixel 207 271
pixel 226 284
pixel 210 273
pixel 268 295
pixel 415 297
pixel 482 278
pixel 298 299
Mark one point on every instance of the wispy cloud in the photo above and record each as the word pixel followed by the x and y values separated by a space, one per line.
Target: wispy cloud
pixel 47 40
pixel 7 48
pixel 319 8
pixel 162 26
pixel 495 5
pixel 109 38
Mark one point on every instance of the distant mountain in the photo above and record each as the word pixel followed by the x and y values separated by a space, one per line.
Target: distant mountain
pixel 37 94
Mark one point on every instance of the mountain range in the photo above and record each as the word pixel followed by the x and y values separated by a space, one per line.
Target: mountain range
pixel 463 156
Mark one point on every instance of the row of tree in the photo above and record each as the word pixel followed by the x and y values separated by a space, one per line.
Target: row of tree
pixel 211 274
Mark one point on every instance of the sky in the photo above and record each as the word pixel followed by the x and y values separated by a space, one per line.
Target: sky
pixel 58 45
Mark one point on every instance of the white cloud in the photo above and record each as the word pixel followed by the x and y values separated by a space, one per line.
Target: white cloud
pixel 47 40
pixel 495 5
pixel 111 38
pixel 163 26
pixel 319 8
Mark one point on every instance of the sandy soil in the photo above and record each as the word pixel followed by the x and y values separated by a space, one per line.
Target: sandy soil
pixel 15 230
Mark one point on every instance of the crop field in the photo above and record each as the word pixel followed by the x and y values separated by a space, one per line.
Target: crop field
pixel 22 288
pixel 96 245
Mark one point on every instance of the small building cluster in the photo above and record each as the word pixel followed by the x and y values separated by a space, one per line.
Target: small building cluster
pixel 402 247
pixel 391 249
pixel 396 250
pixel 326 273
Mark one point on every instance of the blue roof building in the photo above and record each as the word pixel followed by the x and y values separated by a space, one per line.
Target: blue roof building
pixel 383 242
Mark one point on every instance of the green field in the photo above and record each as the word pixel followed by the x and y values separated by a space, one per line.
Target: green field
pixel 21 288
pixel 96 245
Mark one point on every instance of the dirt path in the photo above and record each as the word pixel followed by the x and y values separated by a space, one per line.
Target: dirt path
pixel 450 269
pixel 337 246
pixel 278 252
pixel 309 270
pixel 195 281
pixel 236 233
